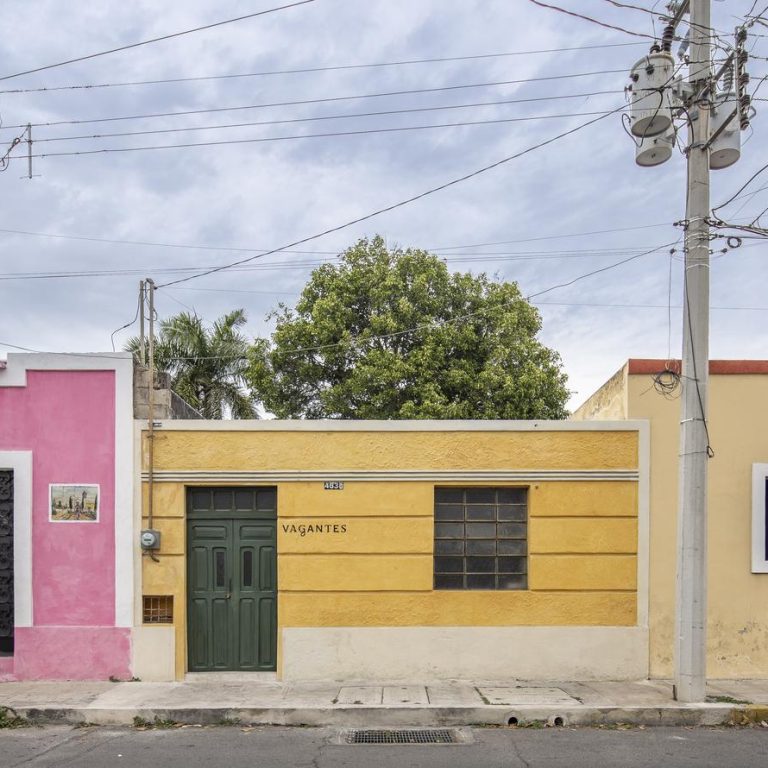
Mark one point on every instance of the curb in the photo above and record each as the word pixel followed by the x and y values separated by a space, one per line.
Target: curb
pixel 523 716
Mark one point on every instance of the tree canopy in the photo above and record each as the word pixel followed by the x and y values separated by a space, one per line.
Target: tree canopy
pixel 207 365
pixel 393 334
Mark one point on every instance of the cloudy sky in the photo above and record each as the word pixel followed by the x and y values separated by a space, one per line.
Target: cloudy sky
pixel 556 213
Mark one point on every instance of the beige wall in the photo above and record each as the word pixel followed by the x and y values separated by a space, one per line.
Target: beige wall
pixel 738 599
pixel 609 402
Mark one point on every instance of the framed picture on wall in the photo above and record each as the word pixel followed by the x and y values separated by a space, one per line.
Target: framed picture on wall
pixel 77 503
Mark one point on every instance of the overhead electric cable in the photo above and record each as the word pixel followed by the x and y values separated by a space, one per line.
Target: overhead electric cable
pixel 592 20
pixel 328 134
pixel 304 70
pixel 239 249
pixel 156 39
pixel 402 203
pixel 282 265
pixel 377 113
pixel 326 100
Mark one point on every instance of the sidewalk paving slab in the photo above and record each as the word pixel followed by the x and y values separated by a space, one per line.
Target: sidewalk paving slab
pixel 383 703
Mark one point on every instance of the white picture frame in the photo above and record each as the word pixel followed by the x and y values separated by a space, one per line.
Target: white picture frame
pixel 73 502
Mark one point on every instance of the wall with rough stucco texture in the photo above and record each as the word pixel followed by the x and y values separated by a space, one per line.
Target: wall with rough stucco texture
pixel 370 566
pixel 66 419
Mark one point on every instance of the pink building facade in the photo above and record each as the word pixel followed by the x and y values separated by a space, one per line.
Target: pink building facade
pixel 66 532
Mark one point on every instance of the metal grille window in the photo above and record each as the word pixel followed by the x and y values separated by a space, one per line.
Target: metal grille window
pixel 481 538
pixel 6 561
pixel 158 609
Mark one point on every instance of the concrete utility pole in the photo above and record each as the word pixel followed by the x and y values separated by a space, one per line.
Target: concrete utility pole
pixel 142 338
pixel 691 614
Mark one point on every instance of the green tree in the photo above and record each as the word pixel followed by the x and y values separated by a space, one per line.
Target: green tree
pixel 207 365
pixel 392 334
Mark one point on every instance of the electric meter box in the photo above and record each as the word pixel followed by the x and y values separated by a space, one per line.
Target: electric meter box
pixel 150 539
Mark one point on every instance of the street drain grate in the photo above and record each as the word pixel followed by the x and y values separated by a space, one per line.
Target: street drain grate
pixel 418 736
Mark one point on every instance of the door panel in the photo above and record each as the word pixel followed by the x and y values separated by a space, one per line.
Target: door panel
pixel 232 579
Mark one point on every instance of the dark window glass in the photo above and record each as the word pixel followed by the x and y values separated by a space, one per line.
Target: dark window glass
pixel 480 496
pixel 266 499
pixel 449 512
pixel 508 581
pixel 481 564
pixel 481 581
pixel 481 530
pixel 481 547
pixel 449 495
pixel 480 512
pixel 449 581
pixel 449 531
pixel 221 567
pixel 449 547
pixel 512 564
pixel 449 564
pixel 516 513
pixel 481 538
pixel 512 495
pixel 512 531
pixel 247 568
pixel 512 546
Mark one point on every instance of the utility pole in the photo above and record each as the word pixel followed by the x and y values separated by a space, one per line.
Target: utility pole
pixel 691 581
pixel 142 339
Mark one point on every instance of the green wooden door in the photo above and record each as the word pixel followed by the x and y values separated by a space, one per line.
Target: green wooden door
pixel 231 584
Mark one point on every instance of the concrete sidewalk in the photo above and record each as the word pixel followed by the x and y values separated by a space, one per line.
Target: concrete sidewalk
pixel 227 698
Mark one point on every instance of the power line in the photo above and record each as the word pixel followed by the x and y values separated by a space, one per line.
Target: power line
pixel 585 304
pixel 156 39
pixel 326 257
pixel 592 20
pixel 328 134
pixel 377 113
pixel 333 68
pixel 467 316
pixel 195 246
pixel 425 326
pixel 402 203
pixel 330 255
pixel 325 100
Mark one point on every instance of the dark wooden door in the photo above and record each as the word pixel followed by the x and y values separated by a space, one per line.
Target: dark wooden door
pixel 231 586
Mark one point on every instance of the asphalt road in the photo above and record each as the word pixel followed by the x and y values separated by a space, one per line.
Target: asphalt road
pixel 232 747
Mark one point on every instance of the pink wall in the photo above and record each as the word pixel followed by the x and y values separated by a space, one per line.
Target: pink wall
pixel 67 419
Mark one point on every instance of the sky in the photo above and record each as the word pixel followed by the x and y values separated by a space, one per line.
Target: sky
pixel 558 212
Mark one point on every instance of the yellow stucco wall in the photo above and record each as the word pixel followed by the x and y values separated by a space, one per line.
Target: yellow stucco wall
pixel 583 539
pixel 737 598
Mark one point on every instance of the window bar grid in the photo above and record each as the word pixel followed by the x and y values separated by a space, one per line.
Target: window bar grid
pixel 481 538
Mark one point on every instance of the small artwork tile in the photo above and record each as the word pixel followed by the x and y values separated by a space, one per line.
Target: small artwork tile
pixel 76 503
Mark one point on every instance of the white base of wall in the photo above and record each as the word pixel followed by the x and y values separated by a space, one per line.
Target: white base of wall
pixel 154 653
pixel 470 653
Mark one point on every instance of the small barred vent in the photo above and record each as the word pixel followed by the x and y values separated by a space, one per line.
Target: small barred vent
pixel 438 736
pixel 158 609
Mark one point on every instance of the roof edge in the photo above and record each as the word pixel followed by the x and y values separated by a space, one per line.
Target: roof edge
pixel 716 367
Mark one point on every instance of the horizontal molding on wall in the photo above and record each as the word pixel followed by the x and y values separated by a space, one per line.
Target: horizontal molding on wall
pixel 395 425
pixel 249 477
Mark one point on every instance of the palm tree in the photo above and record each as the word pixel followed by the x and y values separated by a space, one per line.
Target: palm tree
pixel 206 366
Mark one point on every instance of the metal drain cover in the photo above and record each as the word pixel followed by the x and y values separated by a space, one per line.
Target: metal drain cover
pixel 403 736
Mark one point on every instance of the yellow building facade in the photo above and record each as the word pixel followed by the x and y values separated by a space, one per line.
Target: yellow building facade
pixel 394 550
pixel 737 605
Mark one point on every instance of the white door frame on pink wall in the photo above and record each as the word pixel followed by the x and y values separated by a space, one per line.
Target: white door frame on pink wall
pixel 20 463
pixel 15 375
